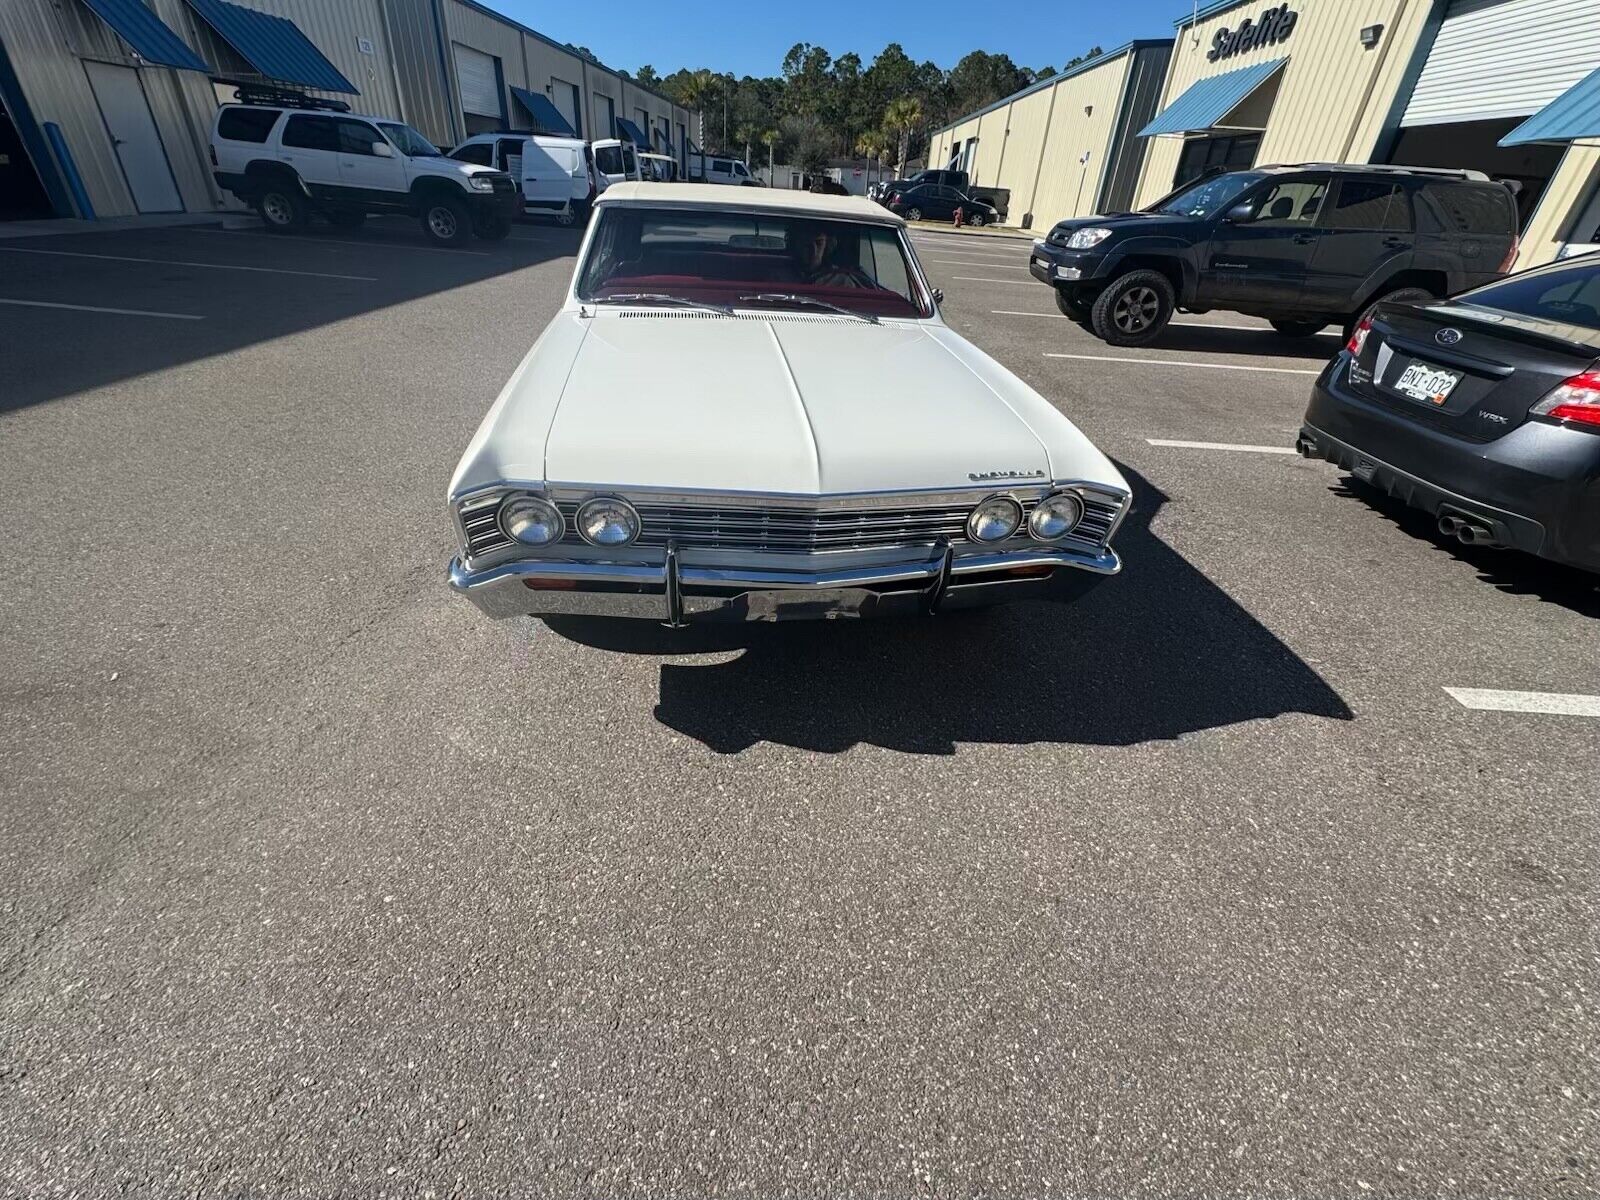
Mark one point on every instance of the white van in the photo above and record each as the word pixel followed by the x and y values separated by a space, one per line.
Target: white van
pixel 615 161
pixel 658 167
pixel 718 168
pixel 556 174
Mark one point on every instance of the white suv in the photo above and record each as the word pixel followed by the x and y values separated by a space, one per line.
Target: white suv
pixel 290 162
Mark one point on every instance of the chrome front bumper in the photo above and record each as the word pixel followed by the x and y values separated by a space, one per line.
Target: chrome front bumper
pixel 679 594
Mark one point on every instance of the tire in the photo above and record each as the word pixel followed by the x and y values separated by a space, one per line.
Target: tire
pixel 348 219
pixel 1071 306
pixel 492 228
pixel 1133 310
pixel 567 217
pixel 282 208
pixel 1409 295
pixel 913 214
pixel 446 221
pixel 977 220
pixel 1299 328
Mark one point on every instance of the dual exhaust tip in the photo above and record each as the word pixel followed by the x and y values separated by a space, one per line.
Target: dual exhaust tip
pixel 1467 531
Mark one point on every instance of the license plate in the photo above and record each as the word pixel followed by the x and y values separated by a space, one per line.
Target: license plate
pixel 1431 385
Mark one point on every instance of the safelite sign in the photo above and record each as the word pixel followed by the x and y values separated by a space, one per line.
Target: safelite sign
pixel 1270 28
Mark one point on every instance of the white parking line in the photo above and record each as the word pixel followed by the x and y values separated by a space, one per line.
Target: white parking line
pixel 977 262
pixel 1012 282
pixel 1006 312
pixel 1558 704
pixel 171 262
pixel 1179 362
pixel 121 312
pixel 316 240
pixel 1220 446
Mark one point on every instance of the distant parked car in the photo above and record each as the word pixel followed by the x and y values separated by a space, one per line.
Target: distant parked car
pixel 291 157
pixel 826 185
pixel 1483 410
pixel 556 175
pixel 938 202
pixel 998 199
pixel 1304 246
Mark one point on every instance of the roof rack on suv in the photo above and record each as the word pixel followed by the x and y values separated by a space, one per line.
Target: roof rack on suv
pixel 1384 169
pixel 276 97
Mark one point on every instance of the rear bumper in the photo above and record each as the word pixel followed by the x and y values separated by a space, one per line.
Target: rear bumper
pixel 680 594
pixel 1537 487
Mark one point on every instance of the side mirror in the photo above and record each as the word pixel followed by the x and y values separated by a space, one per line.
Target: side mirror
pixel 382 150
pixel 1238 214
pixel 938 296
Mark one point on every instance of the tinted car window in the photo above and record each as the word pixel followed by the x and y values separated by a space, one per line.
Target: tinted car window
pixel 311 133
pixel 481 153
pixel 1294 202
pixel 1568 295
pixel 609 160
pixel 1369 204
pixel 246 124
pixel 1209 197
pixel 1463 208
pixel 357 137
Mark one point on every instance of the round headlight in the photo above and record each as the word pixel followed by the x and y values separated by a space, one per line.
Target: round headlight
pixel 607 521
pixel 994 520
pixel 1055 516
pixel 531 520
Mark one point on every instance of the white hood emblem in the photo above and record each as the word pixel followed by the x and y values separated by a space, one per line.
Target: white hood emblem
pixel 991 476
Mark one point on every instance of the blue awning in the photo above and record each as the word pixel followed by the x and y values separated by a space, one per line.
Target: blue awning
pixel 546 116
pixel 145 32
pixel 1573 114
pixel 1205 103
pixel 633 133
pixel 273 45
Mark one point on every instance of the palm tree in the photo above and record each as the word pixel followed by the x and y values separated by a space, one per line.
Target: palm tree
pixel 902 116
pixel 769 139
pixel 694 92
pixel 744 135
pixel 872 146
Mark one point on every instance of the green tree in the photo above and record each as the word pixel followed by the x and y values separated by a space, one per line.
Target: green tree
pixel 770 138
pixel 982 78
pixel 646 76
pixel 903 117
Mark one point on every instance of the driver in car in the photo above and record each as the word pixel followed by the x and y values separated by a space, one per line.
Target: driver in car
pixel 813 248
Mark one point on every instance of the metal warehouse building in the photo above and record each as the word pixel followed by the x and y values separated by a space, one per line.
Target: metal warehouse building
pixel 106 105
pixel 1508 87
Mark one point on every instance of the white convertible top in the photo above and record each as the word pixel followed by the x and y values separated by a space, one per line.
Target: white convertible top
pixel 746 199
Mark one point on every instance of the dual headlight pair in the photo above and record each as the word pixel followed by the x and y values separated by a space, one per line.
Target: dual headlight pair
pixel 999 517
pixel 604 521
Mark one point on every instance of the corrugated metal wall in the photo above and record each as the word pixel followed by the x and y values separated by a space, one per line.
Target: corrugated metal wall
pixel 1327 86
pixel 1141 93
pixel 1068 186
pixel 420 56
pixel 1575 180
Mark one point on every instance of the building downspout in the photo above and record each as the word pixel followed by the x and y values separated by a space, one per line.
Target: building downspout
pixel 1372 79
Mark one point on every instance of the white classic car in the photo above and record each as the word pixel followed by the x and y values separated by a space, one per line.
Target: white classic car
pixel 748 408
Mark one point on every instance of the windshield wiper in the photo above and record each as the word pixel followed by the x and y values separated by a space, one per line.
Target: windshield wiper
pixel 792 298
pixel 664 298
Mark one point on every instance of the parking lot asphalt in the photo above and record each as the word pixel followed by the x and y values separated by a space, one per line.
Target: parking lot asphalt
pixel 315 882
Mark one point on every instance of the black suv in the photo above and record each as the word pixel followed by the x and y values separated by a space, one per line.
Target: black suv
pixel 1304 246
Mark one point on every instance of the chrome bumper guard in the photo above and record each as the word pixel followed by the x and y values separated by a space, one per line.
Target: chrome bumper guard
pixel 679 594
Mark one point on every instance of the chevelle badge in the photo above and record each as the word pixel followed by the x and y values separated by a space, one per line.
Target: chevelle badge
pixel 990 476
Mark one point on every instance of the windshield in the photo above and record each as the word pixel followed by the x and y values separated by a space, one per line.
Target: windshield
pixel 1565 295
pixel 1210 196
pixel 408 141
pixel 750 260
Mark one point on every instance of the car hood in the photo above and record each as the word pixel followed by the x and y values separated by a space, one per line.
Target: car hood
pixel 1132 222
pixel 793 404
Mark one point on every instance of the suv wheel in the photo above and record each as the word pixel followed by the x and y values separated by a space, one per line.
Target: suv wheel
pixel 1410 295
pixel 281 208
pixel 1299 328
pixel 1134 309
pixel 446 220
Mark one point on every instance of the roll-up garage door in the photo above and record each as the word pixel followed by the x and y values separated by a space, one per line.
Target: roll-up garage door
pixel 1504 58
pixel 480 87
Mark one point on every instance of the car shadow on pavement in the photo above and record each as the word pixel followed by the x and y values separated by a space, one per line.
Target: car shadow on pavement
pixel 1263 342
pixel 1157 652
pixel 1511 571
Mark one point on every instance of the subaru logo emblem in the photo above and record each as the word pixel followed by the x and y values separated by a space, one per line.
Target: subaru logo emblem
pixel 1447 337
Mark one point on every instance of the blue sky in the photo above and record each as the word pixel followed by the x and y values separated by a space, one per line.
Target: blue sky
pixel 751 38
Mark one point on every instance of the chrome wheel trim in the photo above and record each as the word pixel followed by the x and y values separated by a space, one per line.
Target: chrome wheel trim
pixel 1135 309
pixel 442 222
pixel 277 209
pixel 913 214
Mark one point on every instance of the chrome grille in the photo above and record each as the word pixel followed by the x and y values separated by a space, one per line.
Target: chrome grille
pixel 482 525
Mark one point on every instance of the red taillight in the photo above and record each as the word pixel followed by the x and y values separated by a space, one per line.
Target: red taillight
pixel 1577 399
pixel 1511 256
pixel 1358 338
